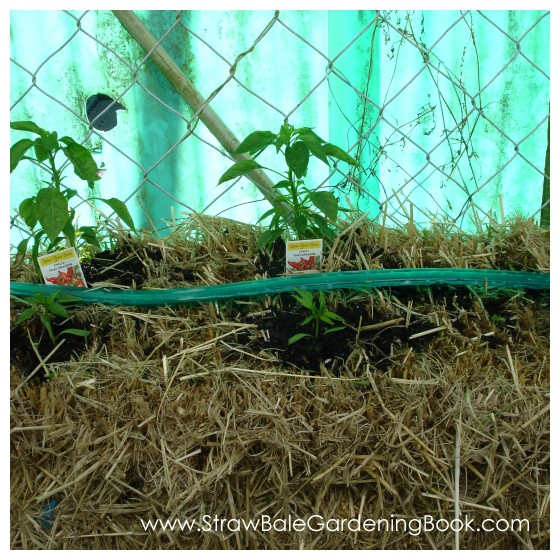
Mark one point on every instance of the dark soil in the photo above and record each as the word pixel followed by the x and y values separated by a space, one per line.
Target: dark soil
pixel 119 267
pixel 126 268
pixel 25 358
pixel 308 353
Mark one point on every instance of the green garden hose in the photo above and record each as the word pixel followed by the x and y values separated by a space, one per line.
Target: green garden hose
pixel 355 279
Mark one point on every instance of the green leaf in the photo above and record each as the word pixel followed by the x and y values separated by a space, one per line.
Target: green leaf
pixel 26 314
pixel 297 158
pixel 69 231
pixel 238 169
pixel 46 145
pixel 339 153
pixel 304 298
pixel 87 230
pixel 304 303
pixel 67 298
pixel 46 320
pixel 284 184
pixel 334 329
pixel 333 315
pixel 70 193
pixel 21 251
pixel 278 218
pixel 35 249
pixel 37 298
pixel 306 131
pixel 18 151
pixel 313 142
pixel 322 225
pixel 77 332
pixel 315 148
pixel 278 143
pixel 82 160
pixel 91 240
pixel 284 135
pixel 120 209
pixel 267 214
pixel 88 234
pixel 300 224
pixel 278 203
pixel 59 310
pixel 27 211
pixel 297 337
pixel 307 320
pixel 306 294
pixel 28 126
pixel 268 237
pixel 56 245
pixel 256 141
pixel 326 202
pixel 41 151
pixel 51 210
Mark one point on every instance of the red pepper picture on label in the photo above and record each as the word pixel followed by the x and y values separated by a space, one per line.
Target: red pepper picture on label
pixel 68 278
pixel 296 265
pixel 303 264
pixel 309 263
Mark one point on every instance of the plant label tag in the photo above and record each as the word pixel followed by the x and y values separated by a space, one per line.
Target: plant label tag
pixel 62 268
pixel 304 255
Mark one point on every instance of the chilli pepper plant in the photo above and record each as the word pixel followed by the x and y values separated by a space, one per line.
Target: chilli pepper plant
pixel 47 307
pixel 297 211
pixel 318 313
pixel 48 213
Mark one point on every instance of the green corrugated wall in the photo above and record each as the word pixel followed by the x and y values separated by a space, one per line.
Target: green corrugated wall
pixel 282 69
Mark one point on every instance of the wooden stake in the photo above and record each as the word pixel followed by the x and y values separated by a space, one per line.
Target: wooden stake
pixel 190 94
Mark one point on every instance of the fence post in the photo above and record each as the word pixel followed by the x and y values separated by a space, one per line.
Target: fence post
pixel 545 212
pixel 190 94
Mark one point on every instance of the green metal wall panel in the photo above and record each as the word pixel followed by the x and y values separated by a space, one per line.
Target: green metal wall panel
pixel 58 61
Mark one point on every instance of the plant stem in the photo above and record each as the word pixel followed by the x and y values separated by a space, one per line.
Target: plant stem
pixel 55 174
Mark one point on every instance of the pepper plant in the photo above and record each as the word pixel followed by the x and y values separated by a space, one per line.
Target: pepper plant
pixel 297 211
pixel 48 213
pixel 318 313
pixel 47 307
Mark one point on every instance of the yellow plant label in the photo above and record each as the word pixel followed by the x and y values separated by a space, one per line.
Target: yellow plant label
pixel 62 268
pixel 304 255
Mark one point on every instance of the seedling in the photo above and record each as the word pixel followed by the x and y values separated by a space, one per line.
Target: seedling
pixel 298 211
pixel 318 313
pixel 47 307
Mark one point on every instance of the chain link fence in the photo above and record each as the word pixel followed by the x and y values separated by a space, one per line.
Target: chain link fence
pixel 446 112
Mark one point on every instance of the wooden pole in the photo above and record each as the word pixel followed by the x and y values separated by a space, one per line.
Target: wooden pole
pixel 190 94
pixel 545 212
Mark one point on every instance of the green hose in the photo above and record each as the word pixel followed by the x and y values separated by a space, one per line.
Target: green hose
pixel 355 279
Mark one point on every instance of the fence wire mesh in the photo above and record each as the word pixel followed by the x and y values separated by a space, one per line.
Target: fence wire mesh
pixel 423 162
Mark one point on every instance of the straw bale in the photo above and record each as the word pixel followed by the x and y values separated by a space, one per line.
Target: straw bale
pixel 441 409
